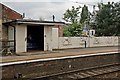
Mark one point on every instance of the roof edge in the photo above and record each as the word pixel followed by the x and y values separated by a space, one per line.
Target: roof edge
pixel 28 21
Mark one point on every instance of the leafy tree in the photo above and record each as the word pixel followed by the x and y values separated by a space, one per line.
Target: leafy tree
pixel 85 15
pixel 116 13
pixel 107 19
pixel 73 16
pixel 66 31
pixel 73 30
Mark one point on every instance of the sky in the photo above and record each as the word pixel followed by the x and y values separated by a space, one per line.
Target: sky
pixel 35 9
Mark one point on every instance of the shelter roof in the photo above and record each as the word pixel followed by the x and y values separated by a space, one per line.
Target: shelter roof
pixel 33 22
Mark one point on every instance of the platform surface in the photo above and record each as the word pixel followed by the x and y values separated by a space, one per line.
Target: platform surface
pixel 56 53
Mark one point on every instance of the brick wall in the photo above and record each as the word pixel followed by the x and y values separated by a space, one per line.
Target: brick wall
pixel 6 14
pixel 9 14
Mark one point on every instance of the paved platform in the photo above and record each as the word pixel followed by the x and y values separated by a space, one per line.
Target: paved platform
pixel 56 54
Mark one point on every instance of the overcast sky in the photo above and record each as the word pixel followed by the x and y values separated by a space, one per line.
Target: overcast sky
pixel 35 9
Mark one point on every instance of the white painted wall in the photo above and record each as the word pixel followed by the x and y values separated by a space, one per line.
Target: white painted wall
pixel 72 42
pixel 104 41
pixel 55 38
pixel 47 38
pixel 21 42
pixel 77 42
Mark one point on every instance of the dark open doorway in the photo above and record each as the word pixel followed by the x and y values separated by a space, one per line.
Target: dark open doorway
pixel 35 38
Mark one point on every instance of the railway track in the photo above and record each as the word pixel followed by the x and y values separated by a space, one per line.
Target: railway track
pixel 82 74
pixel 63 68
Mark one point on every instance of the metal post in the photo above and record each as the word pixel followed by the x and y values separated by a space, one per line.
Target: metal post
pixel 89 36
pixel 85 44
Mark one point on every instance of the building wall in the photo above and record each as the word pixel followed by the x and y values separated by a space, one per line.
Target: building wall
pixel 47 38
pixel 9 14
pixel 0 21
pixel 11 37
pixel 0 26
pixel 10 33
pixel 6 14
pixel 55 37
pixel 60 30
pixel 21 41
pixel 4 32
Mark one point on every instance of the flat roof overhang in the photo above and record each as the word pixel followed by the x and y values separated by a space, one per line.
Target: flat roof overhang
pixel 34 22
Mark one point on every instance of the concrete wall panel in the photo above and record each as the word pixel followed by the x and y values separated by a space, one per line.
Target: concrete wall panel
pixel 47 38
pixel 55 38
pixel 77 42
pixel 21 35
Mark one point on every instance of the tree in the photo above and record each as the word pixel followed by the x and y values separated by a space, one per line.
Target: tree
pixel 84 15
pixel 73 16
pixel 107 19
pixel 73 30
pixel 116 16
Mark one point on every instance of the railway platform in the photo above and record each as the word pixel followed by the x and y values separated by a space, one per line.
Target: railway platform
pixel 36 65
pixel 56 54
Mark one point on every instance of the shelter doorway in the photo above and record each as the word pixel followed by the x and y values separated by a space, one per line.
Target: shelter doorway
pixel 35 38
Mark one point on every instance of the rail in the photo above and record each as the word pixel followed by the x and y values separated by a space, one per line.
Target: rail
pixel 82 74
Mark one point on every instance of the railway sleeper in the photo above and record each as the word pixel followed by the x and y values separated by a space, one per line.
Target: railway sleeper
pixel 86 73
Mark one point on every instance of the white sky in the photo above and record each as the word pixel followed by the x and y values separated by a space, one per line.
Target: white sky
pixel 35 9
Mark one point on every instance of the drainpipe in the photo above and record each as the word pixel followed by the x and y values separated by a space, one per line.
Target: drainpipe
pixel 14 39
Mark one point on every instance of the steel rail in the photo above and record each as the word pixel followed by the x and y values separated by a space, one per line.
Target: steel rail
pixel 116 67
